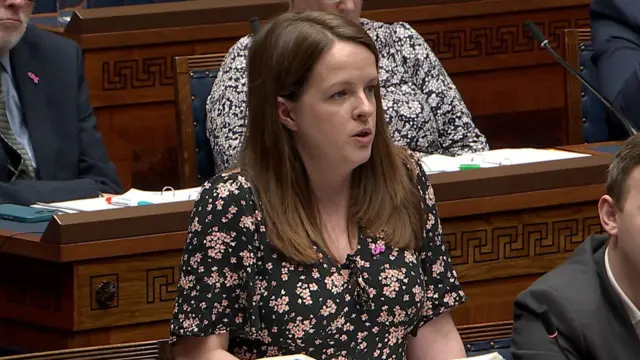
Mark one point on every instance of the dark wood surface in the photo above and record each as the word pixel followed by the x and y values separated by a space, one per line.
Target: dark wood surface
pixel 499 244
pixel 514 89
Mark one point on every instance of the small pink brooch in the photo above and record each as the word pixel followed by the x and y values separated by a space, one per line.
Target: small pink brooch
pixel 33 77
pixel 377 249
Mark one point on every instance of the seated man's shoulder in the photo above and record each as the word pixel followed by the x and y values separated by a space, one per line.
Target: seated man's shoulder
pixel 47 40
pixel 575 283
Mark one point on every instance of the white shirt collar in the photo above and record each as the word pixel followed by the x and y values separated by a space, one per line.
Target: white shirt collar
pixel 632 310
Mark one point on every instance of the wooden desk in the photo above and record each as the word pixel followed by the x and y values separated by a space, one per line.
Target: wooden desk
pixel 481 43
pixel 499 244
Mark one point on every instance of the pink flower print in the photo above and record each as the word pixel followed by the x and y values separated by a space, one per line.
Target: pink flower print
pixel 378 249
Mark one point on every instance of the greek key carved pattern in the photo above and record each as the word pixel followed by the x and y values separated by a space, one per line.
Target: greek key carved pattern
pixel 161 284
pixel 519 241
pixel 501 39
pixel 31 297
pixel 137 73
pixel 455 44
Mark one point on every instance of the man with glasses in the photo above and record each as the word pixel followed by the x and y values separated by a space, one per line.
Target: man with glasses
pixel 50 148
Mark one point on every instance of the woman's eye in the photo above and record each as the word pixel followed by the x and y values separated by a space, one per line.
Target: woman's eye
pixel 339 95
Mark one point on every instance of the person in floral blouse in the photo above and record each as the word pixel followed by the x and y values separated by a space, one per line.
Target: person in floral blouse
pixel 424 110
pixel 325 240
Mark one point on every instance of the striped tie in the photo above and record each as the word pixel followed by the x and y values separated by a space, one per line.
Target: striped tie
pixel 26 170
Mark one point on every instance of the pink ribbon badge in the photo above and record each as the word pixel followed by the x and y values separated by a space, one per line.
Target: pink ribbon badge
pixel 33 77
pixel 378 249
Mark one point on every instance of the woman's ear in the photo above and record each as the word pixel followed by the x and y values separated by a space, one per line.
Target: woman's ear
pixel 286 114
pixel 608 215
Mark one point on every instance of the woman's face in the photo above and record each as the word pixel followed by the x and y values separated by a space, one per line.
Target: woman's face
pixel 333 121
pixel 348 8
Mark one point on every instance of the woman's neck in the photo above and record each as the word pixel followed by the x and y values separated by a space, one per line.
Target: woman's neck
pixel 331 186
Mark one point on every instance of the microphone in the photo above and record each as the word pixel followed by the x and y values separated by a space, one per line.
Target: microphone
pixel 255 25
pixel 551 330
pixel 537 34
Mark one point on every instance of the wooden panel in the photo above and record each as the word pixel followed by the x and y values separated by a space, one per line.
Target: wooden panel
pixel 144 287
pixel 513 88
pixel 499 255
pixel 39 292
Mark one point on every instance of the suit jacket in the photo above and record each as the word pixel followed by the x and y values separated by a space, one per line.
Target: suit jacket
pixel 590 317
pixel 615 32
pixel 71 157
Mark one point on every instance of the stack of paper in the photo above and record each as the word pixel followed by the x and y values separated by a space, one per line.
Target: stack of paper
pixel 440 163
pixel 288 357
pixel 491 356
pixel 132 197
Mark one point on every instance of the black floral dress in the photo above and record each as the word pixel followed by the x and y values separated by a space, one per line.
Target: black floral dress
pixel 233 281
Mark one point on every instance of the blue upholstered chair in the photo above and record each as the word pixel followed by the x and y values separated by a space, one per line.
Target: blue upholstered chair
pixel 501 346
pixel 584 110
pixel 594 113
pixel 44 6
pixel 194 78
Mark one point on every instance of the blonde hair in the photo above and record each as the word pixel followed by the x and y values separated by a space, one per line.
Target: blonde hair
pixel 384 198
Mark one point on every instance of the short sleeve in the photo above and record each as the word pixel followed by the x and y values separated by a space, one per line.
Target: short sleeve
pixel 457 133
pixel 443 289
pixel 219 260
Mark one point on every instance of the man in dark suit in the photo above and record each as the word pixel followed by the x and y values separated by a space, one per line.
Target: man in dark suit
pixel 50 148
pixel 615 32
pixel 587 308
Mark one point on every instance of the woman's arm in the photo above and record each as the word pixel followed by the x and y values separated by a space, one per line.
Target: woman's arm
pixel 214 298
pixel 437 337
pixel 213 347
pixel 437 340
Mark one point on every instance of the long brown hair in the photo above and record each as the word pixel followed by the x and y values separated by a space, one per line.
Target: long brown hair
pixel 383 197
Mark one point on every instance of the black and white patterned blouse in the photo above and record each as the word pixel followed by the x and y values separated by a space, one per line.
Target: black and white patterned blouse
pixel 424 110
pixel 232 280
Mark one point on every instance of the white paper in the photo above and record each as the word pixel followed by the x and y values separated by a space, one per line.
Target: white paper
pixel 288 357
pixel 160 197
pixel 133 196
pixel 491 356
pixel 439 163
pixel 73 206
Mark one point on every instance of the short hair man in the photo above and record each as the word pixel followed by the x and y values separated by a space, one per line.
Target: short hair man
pixel 587 308
pixel 50 148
